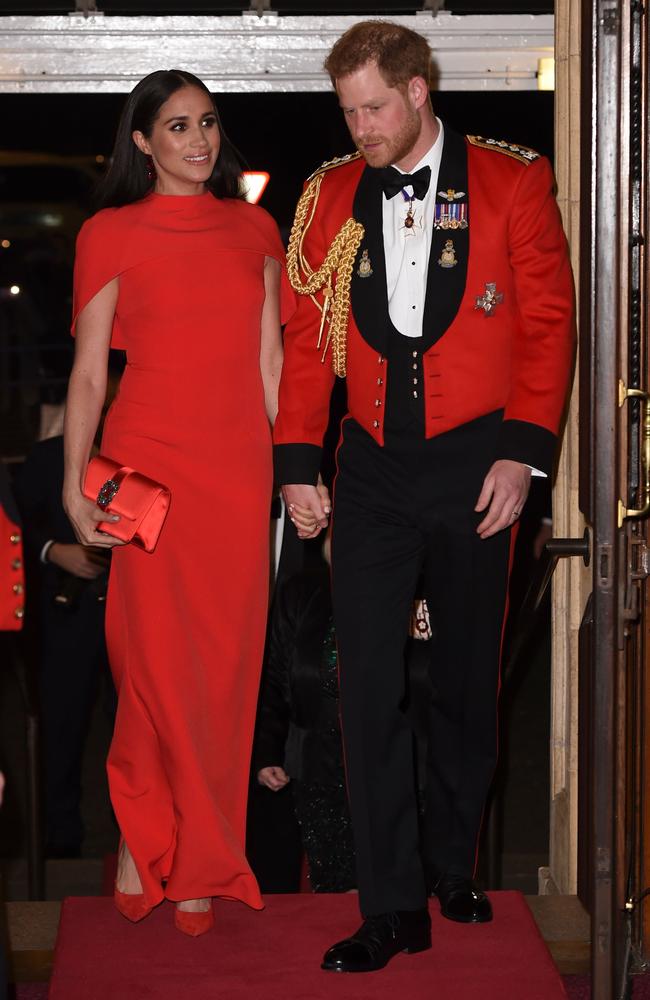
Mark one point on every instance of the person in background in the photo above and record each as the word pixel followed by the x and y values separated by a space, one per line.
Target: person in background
pixel 297 736
pixel 3 961
pixel 12 604
pixel 186 276
pixel 68 608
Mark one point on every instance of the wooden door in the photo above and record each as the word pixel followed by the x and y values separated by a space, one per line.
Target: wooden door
pixel 614 760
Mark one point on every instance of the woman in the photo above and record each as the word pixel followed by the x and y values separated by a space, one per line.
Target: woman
pixel 185 276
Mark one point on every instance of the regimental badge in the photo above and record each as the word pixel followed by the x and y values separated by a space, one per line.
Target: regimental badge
pixel 451 195
pixel 447 256
pixel 490 298
pixel 450 216
pixel 364 269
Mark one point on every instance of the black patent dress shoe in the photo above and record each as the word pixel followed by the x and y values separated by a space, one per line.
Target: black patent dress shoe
pixel 378 939
pixel 462 900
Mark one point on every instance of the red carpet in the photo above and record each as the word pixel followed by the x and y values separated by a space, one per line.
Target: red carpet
pixel 275 955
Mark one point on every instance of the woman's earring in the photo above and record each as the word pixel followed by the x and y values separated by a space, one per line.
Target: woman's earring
pixel 151 170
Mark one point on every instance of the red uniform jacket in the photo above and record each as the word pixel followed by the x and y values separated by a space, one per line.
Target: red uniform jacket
pixel 12 574
pixel 513 357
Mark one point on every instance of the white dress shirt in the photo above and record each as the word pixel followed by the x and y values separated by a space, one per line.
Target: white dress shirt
pixel 407 250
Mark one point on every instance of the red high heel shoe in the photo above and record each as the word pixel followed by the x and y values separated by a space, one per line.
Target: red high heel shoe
pixel 193 923
pixel 131 905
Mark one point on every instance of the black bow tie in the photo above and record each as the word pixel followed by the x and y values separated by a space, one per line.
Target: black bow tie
pixel 393 182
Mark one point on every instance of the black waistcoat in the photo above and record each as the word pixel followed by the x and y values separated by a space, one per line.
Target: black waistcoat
pixel 404 395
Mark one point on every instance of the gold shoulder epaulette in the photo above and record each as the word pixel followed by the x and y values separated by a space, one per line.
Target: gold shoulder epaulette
pixel 338 161
pixel 521 153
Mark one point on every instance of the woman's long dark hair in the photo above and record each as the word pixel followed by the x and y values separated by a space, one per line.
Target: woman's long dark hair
pixel 127 179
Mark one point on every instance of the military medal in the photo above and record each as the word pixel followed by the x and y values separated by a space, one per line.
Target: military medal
pixel 450 216
pixel 365 267
pixel 490 298
pixel 447 256
pixel 410 222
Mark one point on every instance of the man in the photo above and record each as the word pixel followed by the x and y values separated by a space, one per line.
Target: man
pixel 457 348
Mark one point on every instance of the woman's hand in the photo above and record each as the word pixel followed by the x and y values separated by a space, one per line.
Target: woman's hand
pixel 274 778
pixel 84 516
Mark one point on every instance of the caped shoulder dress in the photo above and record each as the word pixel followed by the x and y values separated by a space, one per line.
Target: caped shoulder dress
pixel 185 624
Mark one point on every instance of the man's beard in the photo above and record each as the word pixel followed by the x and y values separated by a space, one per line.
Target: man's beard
pixel 395 149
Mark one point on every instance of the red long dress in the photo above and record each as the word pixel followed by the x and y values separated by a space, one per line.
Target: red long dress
pixel 185 624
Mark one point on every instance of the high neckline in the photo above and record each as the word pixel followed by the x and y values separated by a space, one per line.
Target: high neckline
pixel 179 197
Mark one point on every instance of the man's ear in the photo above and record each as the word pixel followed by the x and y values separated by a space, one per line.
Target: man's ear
pixel 418 91
pixel 141 142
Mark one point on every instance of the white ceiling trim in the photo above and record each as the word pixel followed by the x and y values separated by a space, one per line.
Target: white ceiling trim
pixel 247 53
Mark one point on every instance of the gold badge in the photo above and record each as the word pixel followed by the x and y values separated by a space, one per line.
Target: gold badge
pixel 365 267
pixel 447 257
pixel 450 194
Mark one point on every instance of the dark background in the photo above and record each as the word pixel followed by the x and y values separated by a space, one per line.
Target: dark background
pixel 287 134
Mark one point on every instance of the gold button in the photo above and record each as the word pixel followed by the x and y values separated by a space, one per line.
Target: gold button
pixel 378 402
pixel 19 613
pixel 14 539
pixel 375 423
pixel 17 588
pixel 380 381
pixel 16 563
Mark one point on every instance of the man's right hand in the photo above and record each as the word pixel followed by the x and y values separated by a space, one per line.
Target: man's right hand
pixel 308 507
pixel 80 560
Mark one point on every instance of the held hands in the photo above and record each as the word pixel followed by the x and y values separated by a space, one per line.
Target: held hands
pixel 308 507
pixel 505 489
pixel 84 516
pixel 274 778
pixel 80 560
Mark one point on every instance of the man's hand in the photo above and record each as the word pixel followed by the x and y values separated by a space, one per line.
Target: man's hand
pixel 80 560
pixel 308 507
pixel 274 778
pixel 505 489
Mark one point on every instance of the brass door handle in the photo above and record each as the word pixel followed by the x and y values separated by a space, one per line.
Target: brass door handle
pixel 629 512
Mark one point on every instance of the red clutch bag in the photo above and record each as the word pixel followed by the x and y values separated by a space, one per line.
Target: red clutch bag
pixel 141 503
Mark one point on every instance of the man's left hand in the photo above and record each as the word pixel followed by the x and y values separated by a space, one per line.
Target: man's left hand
pixel 505 490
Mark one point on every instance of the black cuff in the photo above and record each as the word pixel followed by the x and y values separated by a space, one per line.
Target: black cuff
pixel 296 463
pixel 527 443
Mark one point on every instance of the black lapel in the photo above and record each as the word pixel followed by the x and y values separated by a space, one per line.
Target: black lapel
pixel 446 285
pixel 368 294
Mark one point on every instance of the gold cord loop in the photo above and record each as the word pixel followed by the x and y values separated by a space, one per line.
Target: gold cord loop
pixel 339 260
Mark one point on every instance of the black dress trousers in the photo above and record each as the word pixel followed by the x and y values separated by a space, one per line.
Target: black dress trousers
pixel 401 512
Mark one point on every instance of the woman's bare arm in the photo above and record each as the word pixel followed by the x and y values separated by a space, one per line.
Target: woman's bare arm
pixel 86 394
pixel 271 342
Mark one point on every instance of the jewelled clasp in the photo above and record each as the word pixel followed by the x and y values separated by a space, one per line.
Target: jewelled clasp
pixel 107 493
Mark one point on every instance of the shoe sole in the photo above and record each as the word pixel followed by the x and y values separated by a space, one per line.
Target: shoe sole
pixel 412 949
pixel 466 920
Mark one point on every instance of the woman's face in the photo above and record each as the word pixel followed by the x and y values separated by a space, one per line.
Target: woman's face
pixel 184 142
